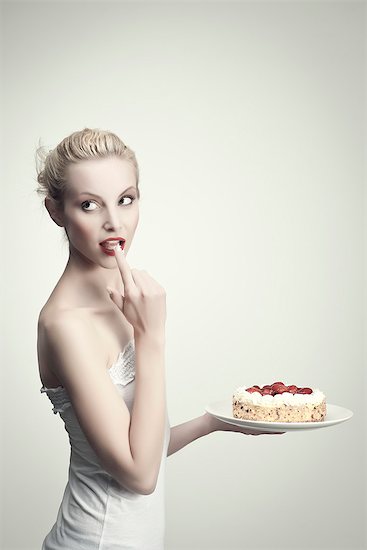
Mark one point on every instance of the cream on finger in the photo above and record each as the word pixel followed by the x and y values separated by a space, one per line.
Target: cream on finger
pixel 118 249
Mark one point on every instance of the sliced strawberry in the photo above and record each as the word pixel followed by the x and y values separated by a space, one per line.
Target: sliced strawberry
pixel 304 390
pixel 253 389
pixel 282 390
pixel 277 387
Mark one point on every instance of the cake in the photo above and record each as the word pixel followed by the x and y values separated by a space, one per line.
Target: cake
pixel 279 403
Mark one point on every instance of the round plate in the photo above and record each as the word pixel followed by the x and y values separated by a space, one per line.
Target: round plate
pixel 223 410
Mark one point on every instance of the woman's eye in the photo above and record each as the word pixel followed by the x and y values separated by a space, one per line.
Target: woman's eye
pixel 92 202
pixel 129 197
pixel 86 202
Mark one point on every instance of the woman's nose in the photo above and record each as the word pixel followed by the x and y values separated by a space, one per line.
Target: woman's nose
pixel 113 219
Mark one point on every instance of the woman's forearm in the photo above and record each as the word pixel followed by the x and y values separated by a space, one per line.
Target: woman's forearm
pixel 148 414
pixel 183 434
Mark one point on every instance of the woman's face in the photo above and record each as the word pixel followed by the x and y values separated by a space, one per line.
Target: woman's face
pixel 100 202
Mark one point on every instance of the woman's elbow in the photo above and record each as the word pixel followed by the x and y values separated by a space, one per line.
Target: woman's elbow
pixel 149 488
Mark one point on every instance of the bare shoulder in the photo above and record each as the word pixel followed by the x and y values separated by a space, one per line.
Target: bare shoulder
pixel 60 322
pixel 67 333
pixel 56 316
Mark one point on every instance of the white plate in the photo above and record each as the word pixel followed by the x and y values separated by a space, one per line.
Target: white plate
pixel 223 411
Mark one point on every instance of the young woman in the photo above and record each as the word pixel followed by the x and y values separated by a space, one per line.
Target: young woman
pixel 101 349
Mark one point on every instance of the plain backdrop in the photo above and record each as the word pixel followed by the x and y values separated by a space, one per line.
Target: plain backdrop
pixel 248 120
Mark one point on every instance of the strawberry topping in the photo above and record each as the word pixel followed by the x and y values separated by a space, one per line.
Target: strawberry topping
pixel 278 387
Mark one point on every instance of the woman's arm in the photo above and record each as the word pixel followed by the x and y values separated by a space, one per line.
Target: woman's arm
pixel 183 434
pixel 148 413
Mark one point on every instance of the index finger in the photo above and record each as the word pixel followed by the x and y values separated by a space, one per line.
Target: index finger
pixel 124 267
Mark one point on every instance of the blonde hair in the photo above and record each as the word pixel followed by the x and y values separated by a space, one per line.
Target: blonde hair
pixel 89 143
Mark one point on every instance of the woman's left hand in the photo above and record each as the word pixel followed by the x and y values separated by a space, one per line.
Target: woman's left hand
pixel 215 425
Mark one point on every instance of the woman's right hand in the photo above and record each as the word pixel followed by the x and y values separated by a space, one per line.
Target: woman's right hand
pixel 144 302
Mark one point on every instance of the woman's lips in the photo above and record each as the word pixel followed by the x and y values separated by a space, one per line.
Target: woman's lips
pixel 110 247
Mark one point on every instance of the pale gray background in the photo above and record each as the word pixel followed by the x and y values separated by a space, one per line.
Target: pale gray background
pixel 247 119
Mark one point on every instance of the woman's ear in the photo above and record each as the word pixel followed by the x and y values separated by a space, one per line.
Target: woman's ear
pixel 54 211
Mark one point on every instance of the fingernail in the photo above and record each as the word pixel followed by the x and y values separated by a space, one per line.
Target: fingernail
pixel 118 249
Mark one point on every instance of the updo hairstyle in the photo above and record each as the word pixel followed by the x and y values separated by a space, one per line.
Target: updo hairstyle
pixel 89 143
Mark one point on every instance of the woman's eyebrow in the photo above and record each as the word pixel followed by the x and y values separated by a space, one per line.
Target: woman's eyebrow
pixel 94 195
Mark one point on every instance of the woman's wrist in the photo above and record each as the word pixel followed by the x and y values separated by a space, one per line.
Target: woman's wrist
pixel 214 424
pixel 153 338
pixel 210 423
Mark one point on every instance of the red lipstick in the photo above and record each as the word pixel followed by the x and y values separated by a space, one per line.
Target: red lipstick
pixel 109 244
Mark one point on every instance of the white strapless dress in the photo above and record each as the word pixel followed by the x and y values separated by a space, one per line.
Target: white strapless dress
pixel 96 513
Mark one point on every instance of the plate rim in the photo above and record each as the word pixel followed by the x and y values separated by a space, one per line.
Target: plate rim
pixel 280 426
